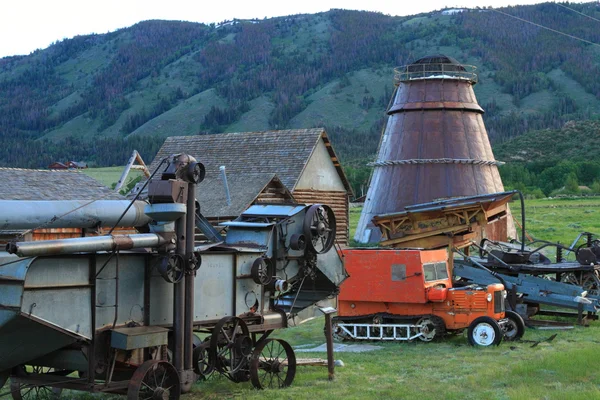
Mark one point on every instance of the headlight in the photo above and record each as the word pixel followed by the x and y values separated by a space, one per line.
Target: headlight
pixel 489 297
pixel 504 294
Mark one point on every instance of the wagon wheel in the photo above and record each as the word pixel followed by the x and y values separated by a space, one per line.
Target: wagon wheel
pixel 587 280
pixel 273 364
pixel 319 228
pixel 21 391
pixel 230 347
pixel 154 379
pixel 203 366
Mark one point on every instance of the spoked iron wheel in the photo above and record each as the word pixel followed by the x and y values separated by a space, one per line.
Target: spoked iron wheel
pixel 21 391
pixel 587 280
pixel 154 380
pixel 230 347
pixel 273 364
pixel 203 366
pixel 319 228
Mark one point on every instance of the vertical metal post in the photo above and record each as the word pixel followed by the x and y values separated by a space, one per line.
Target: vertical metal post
pixel 179 301
pixel 329 340
pixel 92 349
pixel 189 278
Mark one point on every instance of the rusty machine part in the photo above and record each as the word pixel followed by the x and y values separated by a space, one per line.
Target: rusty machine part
pixel 435 145
pixel 120 311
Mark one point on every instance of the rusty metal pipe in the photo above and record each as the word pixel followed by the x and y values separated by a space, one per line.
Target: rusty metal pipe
pixel 85 244
pixel 179 302
pixel 18 214
pixel 190 230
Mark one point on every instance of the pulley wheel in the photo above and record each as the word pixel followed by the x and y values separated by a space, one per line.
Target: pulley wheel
pixel 154 379
pixel 171 268
pixel 195 172
pixel 273 364
pixel 298 242
pixel 262 271
pixel 319 228
pixel 194 262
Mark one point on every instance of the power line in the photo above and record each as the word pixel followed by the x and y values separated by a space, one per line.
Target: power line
pixel 545 27
pixel 575 11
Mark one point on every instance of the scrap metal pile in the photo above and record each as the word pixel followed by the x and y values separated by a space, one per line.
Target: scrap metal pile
pixel 424 283
pixel 118 313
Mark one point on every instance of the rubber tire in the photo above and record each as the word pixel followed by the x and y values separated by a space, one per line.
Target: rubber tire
pixel 485 320
pixel 519 322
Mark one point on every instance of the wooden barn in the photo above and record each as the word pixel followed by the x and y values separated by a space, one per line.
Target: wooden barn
pixel 303 160
pixel 32 184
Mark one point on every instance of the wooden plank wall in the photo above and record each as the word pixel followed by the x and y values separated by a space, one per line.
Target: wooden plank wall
pixel 274 193
pixel 337 200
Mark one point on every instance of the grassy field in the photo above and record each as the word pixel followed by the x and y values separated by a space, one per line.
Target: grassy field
pixel 110 175
pixel 450 369
pixel 559 220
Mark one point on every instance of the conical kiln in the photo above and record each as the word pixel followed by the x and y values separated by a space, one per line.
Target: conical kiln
pixel 435 145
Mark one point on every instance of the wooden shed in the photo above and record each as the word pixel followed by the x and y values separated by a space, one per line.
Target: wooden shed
pixel 303 160
pixel 37 184
pixel 244 190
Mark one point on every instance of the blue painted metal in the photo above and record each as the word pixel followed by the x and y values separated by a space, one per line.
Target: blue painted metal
pixel 272 210
pixel 533 289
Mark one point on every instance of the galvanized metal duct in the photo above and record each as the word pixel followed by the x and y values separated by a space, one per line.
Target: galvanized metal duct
pixel 85 244
pixel 19 214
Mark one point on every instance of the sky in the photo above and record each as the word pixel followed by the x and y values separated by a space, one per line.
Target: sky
pixel 27 25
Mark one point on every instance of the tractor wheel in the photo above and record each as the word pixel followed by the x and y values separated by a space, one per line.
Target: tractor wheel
pixel 484 331
pixel 514 327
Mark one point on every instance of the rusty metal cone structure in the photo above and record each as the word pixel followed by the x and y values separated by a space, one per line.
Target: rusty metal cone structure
pixel 435 145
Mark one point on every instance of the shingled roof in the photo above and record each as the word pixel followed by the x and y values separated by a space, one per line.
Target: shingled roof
pixel 284 152
pixel 244 189
pixel 39 184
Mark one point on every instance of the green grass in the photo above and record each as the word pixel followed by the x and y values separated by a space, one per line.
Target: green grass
pixel 559 220
pixel 110 175
pixel 449 368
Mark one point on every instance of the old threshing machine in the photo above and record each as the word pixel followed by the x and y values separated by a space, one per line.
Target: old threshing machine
pixel 117 313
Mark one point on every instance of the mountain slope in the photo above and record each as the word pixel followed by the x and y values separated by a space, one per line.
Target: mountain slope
pixel 97 97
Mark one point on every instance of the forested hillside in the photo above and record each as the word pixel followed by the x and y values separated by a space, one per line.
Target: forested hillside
pixel 96 98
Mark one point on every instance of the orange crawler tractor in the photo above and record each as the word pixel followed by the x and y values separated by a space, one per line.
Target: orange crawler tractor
pixel 408 294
